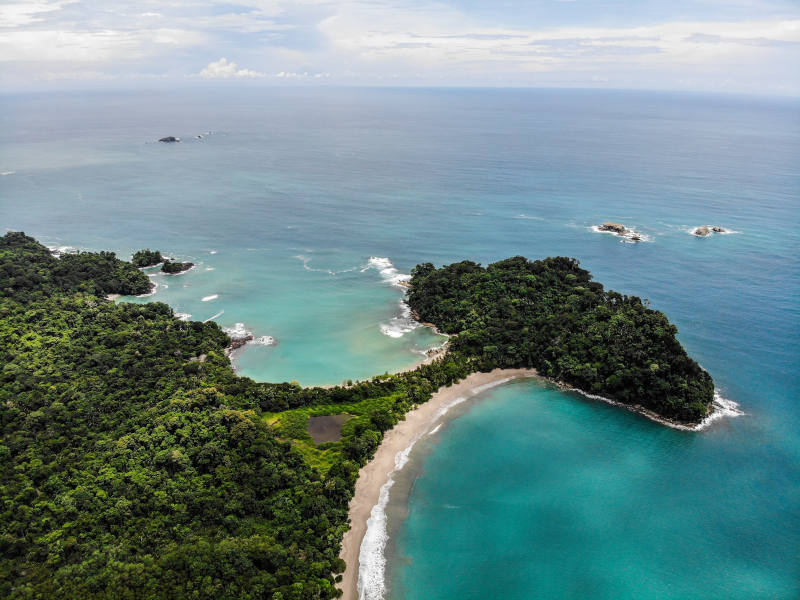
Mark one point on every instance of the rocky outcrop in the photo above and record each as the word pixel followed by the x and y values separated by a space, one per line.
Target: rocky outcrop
pixel 239 342
pixel 705 230
pixel 619 230
pixel 702 231
pixel 169 139
pixel 614 228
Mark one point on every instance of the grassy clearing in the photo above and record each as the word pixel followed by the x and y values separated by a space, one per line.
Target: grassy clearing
pixel 293 425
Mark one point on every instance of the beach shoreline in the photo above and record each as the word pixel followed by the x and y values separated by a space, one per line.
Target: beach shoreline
pixel 379 471
pixel 376 473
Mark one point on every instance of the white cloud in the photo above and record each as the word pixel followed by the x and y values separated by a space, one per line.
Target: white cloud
pixel 223 69
pixel 48 46
pixel 449 42
pixel 17 14
pixel 403 41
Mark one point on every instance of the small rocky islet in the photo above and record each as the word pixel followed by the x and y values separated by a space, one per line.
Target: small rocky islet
pixel 705 230
pixel 620 230
pixel 174 267
pixel 632 235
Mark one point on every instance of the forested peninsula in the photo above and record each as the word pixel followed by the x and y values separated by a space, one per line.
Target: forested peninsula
pixel 549 315
pixel 134 463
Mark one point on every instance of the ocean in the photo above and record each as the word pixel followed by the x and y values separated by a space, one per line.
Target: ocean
pixel 302 206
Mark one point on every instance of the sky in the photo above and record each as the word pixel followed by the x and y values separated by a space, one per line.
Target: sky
pixel 741 46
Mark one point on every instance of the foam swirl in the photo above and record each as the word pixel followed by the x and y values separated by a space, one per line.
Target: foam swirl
pixel 400 325
pixel 387 270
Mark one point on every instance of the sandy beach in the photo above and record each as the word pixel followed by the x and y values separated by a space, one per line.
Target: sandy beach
pixel 375 473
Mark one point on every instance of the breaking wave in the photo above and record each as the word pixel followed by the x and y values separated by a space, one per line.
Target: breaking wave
pixel 721 408
pixel 240 333
pixel 209 298
pixel 400 325
pixel 237 332
pixel 371 557
pixel 388 271
pixel 153 288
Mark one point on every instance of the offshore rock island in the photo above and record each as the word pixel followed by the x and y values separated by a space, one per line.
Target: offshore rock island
pixel 131 468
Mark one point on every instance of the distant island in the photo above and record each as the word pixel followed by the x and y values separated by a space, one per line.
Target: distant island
pixel 147 258
pixel 136 463
pixel 175 267
pixel 151 258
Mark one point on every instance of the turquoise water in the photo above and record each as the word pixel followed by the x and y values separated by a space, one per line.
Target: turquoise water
pixel 555 496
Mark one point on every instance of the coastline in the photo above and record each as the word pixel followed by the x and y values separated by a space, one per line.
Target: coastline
pixel 375 479
pixel 375 474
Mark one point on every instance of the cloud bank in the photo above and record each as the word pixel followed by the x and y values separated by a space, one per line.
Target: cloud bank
pixel 751 46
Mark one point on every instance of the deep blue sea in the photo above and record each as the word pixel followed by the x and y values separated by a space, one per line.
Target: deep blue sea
pixel 302 206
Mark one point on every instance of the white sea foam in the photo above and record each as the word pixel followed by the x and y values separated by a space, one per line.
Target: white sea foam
pixel 371 558
pixel 152 289
pixel 219 314
pixel 59 250
pixel 486 386
pixel 209 298
pixel 209 268
pixel 307 259
pixel 4 173
pixel 240 332
pixel 237 332
pixel 388 271
pixel 720 408
pixel 524 216
pixel 400 325
pixel 691 231
pixel 435 429
pixel 446 408
pixel 212 251
pixel 183 316
pixel 427 352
